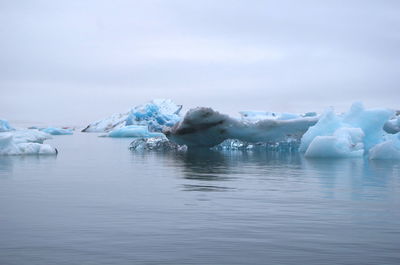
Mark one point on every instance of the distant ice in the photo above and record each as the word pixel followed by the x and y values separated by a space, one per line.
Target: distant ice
pixel 57 131
pixel 156 114
pixel 263 115
pixel 5 126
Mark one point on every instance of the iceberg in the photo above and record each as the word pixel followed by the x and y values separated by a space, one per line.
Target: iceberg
pixel 134 131
pixel 5 126
pixel 156 114
pixel 204 127
pixel 349 135
pixel 108 124
pixel 389 149
pixel 25 142
pixel 57 131
pixel 155 144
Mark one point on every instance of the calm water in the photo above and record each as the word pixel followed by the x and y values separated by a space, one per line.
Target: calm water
pixel 99 203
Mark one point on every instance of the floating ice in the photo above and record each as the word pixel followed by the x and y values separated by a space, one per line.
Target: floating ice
pixel 5 126
pixel 57 131
pixel 204 127
pixel 156 114
pixel 348 135
pixel 290 145
pixel 155 144
pixel 134 131
pixel 25 142
pixel 390 149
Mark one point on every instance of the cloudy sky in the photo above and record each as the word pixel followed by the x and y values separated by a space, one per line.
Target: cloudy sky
pixel 71 62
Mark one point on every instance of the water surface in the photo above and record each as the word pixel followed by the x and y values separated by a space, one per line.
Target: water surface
pixel 99 203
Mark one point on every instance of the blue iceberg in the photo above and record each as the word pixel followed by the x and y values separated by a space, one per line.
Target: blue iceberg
pixel 156 114
pixel 389 149
pixel 351 134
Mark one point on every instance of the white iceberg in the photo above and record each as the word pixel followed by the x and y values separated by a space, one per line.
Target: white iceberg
pixel 29 136
pixel 25 142
pixel 108 124
pixel 57 131
pixel 156 114
pixel 134 131
pixel 5 126
pixel 204 127
pixel 349 135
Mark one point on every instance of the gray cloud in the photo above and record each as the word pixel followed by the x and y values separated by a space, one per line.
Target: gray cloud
pixel 75 61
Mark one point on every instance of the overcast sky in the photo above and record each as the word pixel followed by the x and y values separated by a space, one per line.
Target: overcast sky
pixel 72 62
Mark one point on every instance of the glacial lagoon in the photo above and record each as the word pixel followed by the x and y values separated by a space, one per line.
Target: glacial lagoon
pixel 97 202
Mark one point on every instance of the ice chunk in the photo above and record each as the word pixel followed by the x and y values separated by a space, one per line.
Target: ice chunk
pixel 156 114
pixel 134 131
pixel 204 127
pixel 27 142
pixel 57 131
pixel 156 144
pixel 345 142
pixel 393 125
pixel 390 149
pixel 5 126
pixel 348 135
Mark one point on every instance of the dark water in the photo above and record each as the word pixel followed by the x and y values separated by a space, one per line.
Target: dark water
pixel 99 203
